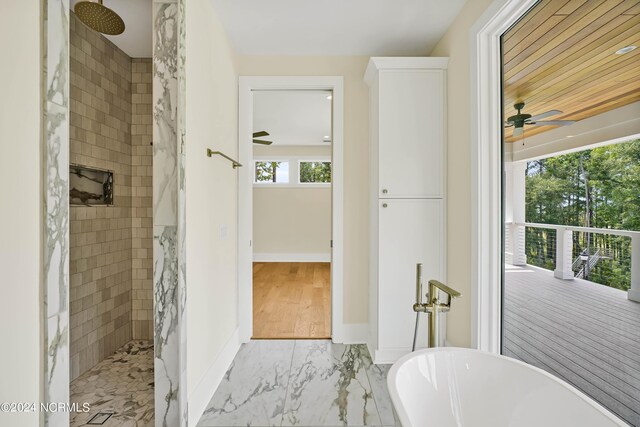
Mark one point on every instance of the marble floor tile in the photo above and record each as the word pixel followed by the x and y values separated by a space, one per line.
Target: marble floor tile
pixel 329 387
pixel 377 375
pixel 253 390
pixel 121 384
pixel 305 383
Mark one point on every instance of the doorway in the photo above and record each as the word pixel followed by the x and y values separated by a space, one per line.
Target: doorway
pixel 567 291
pixel 290 208
pixel 291 214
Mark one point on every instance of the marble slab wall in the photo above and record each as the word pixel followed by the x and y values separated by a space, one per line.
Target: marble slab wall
pixel 182 219
pixel 168 215
pixel 55 80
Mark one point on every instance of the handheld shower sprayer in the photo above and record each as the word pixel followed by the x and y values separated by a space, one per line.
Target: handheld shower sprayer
pixel 418 302
pixel 433 306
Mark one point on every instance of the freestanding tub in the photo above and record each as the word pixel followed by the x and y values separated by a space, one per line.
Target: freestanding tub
pixel 458 387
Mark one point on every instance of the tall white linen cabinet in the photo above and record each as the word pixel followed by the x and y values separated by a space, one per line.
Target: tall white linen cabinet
pixel 407 193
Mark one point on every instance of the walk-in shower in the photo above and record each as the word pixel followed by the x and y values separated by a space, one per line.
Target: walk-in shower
pixel 111 267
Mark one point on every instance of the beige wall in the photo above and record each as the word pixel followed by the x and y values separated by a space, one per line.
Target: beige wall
pixel 455 45
pixel 211 185
pixel 100 236
pixel 20 244
pixel 356 159
pixel 292 220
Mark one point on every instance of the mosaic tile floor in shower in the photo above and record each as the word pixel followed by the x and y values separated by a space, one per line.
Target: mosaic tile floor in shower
pixel 121 385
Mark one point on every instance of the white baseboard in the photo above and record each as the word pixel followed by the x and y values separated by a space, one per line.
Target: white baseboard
pixel 389 355
pixel 211 379
pixel 263 257
pixel 352 333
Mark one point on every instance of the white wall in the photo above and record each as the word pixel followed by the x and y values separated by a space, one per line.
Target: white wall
pixel 455 45
pixel 292 223
pixel 20 208
pixel 356 160
pixel 211 203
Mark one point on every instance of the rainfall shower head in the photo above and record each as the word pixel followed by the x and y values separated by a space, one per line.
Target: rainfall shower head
pixel 99 17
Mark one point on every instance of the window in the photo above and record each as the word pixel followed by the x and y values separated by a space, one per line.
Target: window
pixel 314 172
pixel 271 172
pixel 282 171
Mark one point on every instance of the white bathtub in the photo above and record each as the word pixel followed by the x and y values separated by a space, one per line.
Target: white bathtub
pixel 445 387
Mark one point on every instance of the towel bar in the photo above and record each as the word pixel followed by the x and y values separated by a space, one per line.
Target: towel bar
pixel 235 164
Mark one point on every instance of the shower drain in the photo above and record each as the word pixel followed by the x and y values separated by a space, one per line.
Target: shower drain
pixel 99 419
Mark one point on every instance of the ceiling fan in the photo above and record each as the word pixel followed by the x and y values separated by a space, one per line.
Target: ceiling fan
pixel 261 141
pixel 519 120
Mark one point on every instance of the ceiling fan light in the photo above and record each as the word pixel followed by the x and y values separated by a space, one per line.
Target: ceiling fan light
pixel 625 49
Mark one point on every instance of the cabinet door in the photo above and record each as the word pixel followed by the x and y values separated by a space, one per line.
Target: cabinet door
pixel 411 133
pixel 410 232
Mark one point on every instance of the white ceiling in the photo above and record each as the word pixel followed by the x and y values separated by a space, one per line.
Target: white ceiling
pixel 293 117
pixel 136 41
pixel 336 27
pixel 307 27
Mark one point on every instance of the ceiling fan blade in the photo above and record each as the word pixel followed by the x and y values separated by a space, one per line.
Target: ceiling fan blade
pixel 545 115
pixel 508 124
pixel 517 131
pixel 553 123
pixel 260 133
pixel 263 142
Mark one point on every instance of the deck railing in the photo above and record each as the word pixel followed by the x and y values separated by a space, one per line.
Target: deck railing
pixel 564 261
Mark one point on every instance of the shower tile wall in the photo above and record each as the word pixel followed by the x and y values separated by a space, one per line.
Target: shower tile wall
pixel 110 247
pixel 142 207
pixel 100 240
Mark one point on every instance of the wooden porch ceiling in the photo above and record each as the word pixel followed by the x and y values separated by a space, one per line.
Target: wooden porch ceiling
pixel 561 56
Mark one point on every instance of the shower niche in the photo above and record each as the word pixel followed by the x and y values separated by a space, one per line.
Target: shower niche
pixel 90 186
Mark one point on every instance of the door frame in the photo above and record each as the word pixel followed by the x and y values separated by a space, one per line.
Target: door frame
pixel 248 84
pixel 486 174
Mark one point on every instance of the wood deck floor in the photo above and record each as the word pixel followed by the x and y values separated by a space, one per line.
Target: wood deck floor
pixel 582 332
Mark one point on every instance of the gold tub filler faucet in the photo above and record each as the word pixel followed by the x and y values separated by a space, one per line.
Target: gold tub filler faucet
pixel 433 306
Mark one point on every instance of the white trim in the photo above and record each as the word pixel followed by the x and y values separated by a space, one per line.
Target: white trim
pixel 302 257
pixel 202 393
pixel 390 355
pixel 403 63
pixel 245 190
pixel 486 136
pixel 310 185
pixel 594 230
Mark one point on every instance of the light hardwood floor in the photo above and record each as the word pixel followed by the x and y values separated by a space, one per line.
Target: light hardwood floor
pixel 291 300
